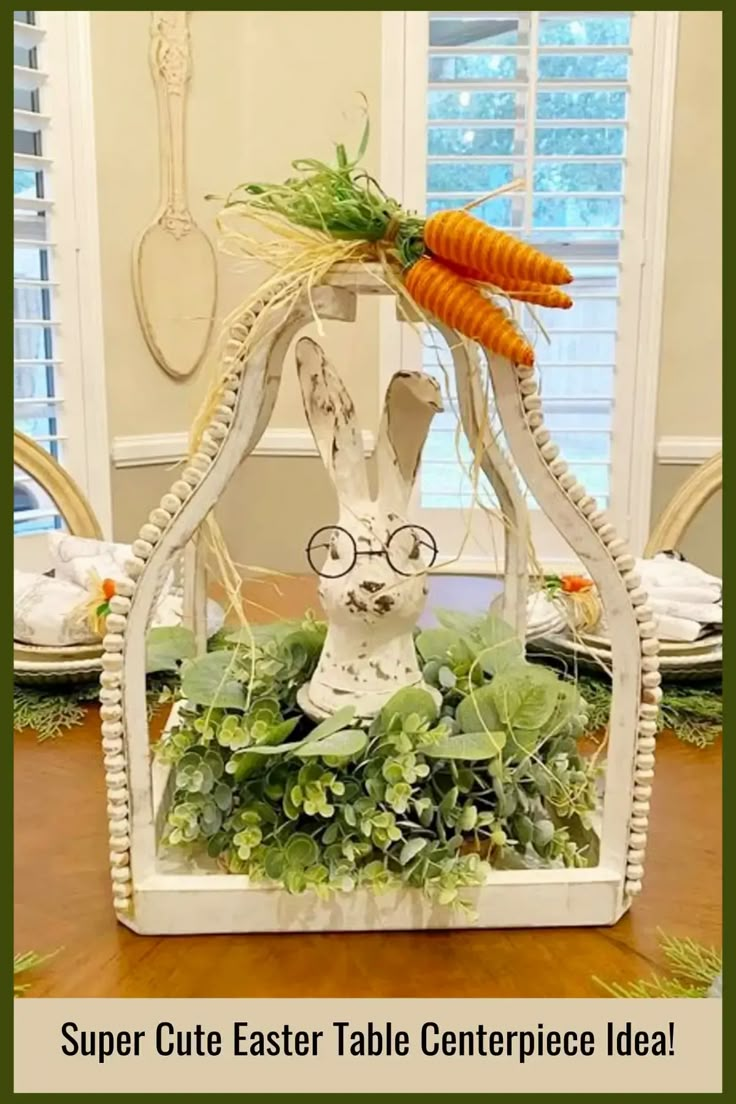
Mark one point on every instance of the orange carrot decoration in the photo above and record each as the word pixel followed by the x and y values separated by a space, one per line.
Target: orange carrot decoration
pixel 462 239
pixel 541 295
pixel 94 609
pixel 528 291
pixel 451 299
pixel 574 584
pixel 440 259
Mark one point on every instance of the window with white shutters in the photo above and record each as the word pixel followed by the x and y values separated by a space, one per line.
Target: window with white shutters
pixel 57 368
pixel 563 102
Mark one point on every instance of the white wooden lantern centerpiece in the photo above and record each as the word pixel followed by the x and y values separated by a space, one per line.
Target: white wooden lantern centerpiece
pixel 152 893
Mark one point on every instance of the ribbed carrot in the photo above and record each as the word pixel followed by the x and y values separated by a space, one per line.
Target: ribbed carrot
pixel 527 291
pixel 531 291
pixel 462 239
pixel 453 300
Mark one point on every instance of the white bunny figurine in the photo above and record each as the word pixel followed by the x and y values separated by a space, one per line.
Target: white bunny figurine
pixel 373 579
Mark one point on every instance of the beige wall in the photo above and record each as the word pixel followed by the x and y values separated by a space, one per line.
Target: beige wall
pixel 266 89
pixel 690 370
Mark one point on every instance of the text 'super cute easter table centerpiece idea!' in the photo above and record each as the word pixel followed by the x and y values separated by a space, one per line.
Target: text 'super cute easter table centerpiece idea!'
pixel 357 773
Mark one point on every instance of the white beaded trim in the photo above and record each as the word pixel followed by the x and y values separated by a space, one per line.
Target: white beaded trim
pixel 151 532
pixel 650 690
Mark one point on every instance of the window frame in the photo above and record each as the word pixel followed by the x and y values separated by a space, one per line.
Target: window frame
pixel 64 53
pixel 642 259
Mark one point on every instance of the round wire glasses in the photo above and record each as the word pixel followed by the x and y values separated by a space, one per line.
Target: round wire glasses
pixel 333 551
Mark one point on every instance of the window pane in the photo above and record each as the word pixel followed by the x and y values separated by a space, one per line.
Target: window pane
pixel 444 445
pixel 484 141
pixel 571 176
pixel 26 141
pixel 581 105
pixel 37 426
pixel 576 212
pixel 594 314
pixel 577 141
pixel 467 176
pixel 29 263
pixel 23 99
pixel 33 381
pixel 577 447
pixel 473 105
pixel 584 32
pixel 32 342
pixel 33 509
pixel 472 67
pixel 27 184
pixel 573 415
pixel 594 477
pixel 583 67
pixel 567 348
pixel 31 302
pixel 481 29
pixel 569 382
pixel 496 211
pixel 554 239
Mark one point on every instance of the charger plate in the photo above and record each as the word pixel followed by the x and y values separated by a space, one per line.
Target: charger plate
pixel 700 666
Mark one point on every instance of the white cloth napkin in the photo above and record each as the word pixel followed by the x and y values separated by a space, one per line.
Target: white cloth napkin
pixel 685 600
pixel 45 611
pixel 678 628
pixel 693 595
pixel 665 572
pixel 701 612
pixel 47 608
pixel 76 558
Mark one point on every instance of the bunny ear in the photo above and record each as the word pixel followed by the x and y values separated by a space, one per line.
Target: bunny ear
pixel 331 416
pixel 412 400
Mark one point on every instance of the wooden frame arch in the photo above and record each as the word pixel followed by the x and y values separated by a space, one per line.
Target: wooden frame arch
pixel 150 898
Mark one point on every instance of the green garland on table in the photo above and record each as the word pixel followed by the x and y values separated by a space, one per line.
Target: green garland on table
pixel 693 971
pixel 22 963
pixel 693 711
pixel 50 711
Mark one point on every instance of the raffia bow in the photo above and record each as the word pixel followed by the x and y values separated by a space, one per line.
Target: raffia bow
pixel 579 596
pixel 93 610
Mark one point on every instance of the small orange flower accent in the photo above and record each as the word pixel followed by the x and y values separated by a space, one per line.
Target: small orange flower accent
pixel 575 584
pixel 108 588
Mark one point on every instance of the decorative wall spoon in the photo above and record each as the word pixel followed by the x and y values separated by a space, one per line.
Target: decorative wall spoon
pixel 174 264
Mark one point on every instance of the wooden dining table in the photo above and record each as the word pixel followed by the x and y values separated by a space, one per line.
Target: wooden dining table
pixel 63 901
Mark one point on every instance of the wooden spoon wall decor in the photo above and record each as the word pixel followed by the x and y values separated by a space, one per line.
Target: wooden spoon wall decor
pixel 174 264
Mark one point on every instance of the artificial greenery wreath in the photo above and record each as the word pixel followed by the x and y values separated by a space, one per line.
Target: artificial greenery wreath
pixel 422 797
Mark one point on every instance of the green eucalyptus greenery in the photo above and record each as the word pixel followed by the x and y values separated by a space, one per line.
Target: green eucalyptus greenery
pixel 693 970
pixel 423 797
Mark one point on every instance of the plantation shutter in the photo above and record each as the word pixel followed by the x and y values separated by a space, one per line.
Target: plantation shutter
pixel 35 365
pixel 52 198
pixel 543 97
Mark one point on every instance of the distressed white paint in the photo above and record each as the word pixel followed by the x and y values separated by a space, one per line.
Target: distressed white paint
pixel 372 609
